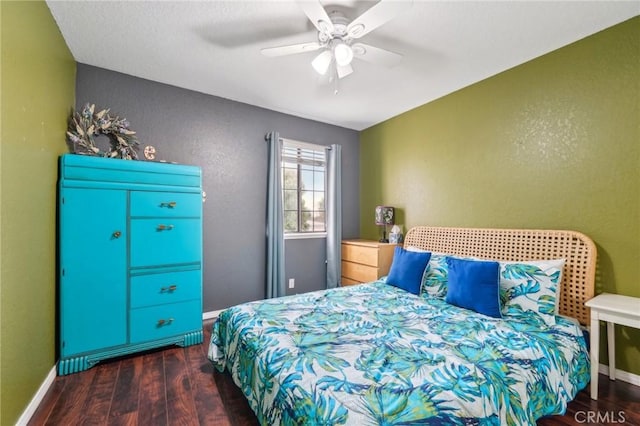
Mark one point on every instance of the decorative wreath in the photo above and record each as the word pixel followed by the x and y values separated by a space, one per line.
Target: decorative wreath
pixel 85 125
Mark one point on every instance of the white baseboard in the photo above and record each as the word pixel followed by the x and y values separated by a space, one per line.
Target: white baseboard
pixel 211 314
pixel 37 398
pixel 625 376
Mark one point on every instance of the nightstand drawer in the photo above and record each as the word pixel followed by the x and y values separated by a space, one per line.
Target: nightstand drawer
pixel 165 204
pixel 344 281
pixel 165 241
pixel 162 321
pixel 172 287
pixel 359 272
pixel 360 254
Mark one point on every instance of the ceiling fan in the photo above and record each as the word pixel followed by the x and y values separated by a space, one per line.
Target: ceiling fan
pixel 338 37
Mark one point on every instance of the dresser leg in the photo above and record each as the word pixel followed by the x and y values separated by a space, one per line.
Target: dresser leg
pixel 194 338
pixel 74 365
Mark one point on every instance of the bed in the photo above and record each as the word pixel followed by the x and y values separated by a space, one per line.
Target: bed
pixel 378 354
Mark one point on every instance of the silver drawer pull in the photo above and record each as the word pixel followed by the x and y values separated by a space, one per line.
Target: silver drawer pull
pixel 162 322
pixel 165 227
pixel 170 204
pixel 172 287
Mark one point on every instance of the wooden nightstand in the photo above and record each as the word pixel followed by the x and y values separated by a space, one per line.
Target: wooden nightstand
pixel 614 309
pixel 365 261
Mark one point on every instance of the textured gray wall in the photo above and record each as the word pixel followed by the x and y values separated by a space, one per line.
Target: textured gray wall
pixel 226 139
pixel 305 262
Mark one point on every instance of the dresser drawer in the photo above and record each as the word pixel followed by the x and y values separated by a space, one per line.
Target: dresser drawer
pixel 360 254
pixel 165 241
pixel 172 287
pixel 165 204
pixel 158 322
pixel 359 272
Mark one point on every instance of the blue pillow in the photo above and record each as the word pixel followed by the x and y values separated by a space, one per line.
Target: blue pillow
pixel 475 285
pixel 407 269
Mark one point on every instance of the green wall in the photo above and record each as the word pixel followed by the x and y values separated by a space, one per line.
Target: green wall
pixel 38 92
pixel 553 143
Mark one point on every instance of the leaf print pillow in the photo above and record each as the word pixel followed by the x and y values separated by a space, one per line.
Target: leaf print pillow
pixel 531 287
pixel 434 279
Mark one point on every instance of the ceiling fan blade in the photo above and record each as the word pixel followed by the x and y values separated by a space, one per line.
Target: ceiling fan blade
pixel 317 15
pixel 376 16
pixel 292 49
pixel 375 55
pixel 344 70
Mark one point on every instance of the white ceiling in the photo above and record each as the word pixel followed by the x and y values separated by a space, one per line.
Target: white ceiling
pixel 214 47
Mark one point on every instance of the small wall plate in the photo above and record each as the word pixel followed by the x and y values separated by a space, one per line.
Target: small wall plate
pixel 150 152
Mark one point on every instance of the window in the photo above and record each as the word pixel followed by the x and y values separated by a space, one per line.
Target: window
pixel 303 182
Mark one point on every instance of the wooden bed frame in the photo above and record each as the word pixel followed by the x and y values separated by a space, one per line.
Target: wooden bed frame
pixel 577 249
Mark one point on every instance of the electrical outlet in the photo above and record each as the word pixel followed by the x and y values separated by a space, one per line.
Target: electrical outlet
pixel 292 282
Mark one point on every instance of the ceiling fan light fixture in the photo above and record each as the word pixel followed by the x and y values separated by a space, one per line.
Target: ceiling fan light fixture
pixel 343 54
pixel 321 62
pixel 344 71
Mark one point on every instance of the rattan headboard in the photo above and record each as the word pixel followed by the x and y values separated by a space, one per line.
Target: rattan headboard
pixel 577 249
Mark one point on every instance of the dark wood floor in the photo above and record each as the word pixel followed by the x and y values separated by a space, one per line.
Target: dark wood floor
pixel 179 386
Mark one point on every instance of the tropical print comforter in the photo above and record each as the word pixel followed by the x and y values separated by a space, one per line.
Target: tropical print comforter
pixel 373 354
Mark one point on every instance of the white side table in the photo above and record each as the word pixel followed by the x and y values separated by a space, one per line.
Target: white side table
pixel 614 309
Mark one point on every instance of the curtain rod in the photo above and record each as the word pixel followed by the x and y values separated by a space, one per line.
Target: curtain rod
pixel 308 145
pixel 302 144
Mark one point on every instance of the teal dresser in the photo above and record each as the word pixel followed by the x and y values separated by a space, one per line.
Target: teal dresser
pixel 130 250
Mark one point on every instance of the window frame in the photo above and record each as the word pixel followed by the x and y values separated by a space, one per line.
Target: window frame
pixel 290 143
